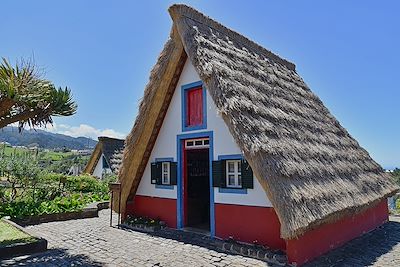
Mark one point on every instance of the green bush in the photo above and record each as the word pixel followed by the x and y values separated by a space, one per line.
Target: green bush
pixel 48 195
pixel 73 202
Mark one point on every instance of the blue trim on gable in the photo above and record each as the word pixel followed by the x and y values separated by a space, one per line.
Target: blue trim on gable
pixel 233 156
pixel 192 85
pixel 185 88
pixel 164 159
pixel 164 186
pixel 180 212
pixel 242 191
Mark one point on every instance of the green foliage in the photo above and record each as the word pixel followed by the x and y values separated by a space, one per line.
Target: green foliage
pixel 54 193
pixel 28 99
pixel 20 171
pixel 51 161
pixel 28 207
pixel 141 220
pixel 396 175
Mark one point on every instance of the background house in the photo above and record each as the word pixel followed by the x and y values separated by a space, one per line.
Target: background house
pixel 106 157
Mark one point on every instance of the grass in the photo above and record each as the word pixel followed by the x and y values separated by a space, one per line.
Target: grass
pixel 53 155
pixel 11 235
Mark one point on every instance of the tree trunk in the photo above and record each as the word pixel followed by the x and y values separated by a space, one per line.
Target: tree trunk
pixel 5 106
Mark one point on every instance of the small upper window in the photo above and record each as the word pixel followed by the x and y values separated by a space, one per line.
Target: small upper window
pixel 234 173
pixel 194 107
pixel 194 111
pixel 165 173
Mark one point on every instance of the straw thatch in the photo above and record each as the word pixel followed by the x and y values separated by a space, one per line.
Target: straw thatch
pixel 313 171
pixel 112 149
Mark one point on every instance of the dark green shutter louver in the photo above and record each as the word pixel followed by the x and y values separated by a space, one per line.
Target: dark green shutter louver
pixel 156 173
pixel 173 170
pixel 247 175
pixel 218 173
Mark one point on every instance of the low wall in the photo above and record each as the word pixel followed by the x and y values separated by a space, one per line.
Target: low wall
pixel 154 207
pixel 330 236
pixel 248 224
pixel 92 210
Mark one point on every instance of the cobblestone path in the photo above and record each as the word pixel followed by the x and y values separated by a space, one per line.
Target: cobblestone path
pixel 91 242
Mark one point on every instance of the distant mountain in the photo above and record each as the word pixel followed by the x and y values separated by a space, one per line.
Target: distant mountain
pixel 44 139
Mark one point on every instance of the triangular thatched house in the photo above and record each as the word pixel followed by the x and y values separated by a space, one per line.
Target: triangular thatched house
pixel 219 108
pixel 106 157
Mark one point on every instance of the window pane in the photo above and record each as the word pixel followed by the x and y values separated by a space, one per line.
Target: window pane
pixel 198 143
pixel 231 179
pixel 239 166
pixel 231 166
pixel 165 167
pixel 240 180
pixel 206 142
pixel 189 143
pixel 165 178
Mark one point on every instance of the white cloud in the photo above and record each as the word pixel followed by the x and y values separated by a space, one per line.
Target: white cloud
pixel 83 130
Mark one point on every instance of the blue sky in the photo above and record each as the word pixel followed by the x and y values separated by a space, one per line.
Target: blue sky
pixel 346 51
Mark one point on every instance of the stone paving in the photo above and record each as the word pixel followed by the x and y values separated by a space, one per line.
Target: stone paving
pixel 91 242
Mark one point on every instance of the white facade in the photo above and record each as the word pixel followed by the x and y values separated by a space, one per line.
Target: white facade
pixel 223 144
pixel 99 170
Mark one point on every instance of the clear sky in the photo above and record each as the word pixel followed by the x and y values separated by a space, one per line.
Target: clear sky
pixel 346 51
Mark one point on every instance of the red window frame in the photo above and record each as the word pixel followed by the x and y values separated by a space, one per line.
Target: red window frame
pixel 194 107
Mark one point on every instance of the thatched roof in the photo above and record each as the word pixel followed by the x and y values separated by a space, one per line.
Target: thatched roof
pixel 112 149
pixel 312 170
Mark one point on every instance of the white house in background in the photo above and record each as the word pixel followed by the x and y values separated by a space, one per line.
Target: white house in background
pixel 106 157
pixel 75 170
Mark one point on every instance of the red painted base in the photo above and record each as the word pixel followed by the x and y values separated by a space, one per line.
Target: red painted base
pixel 330 236
pixel 248 224
pixel 154 207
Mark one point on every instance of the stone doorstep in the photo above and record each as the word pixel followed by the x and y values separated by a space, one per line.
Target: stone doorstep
pixel 23 249
pixel 141 228
pixel 256 252
pixel 238 248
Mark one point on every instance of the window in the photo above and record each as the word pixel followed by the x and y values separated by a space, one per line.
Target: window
pixel 194 107
pixel 234 173
pixel 165 173
pixel 197 143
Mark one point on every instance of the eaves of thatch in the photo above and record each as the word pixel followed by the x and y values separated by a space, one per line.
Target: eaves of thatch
pixel 112 149
pixel 312 170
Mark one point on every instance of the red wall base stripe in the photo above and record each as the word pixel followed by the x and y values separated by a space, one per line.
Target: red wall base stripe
pixel 154 207
pixel 248 224
pixel 330 236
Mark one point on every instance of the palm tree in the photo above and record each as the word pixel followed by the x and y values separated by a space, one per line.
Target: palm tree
pixel 28 99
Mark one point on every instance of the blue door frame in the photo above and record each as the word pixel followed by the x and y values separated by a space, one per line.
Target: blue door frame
pixel 180 211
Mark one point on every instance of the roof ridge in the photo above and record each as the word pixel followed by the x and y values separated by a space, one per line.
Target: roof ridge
pixel 182 10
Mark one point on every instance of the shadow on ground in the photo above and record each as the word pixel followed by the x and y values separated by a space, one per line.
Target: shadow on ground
pixel 52 257
pixel 366 250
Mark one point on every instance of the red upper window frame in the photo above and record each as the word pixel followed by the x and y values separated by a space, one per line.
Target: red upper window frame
pixel 194 111
pixel 194 107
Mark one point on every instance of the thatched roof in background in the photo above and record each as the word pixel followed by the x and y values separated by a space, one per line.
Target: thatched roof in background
pixel 313 171
pixel 112 149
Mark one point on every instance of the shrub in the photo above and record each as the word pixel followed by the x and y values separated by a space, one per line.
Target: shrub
pixel 28 207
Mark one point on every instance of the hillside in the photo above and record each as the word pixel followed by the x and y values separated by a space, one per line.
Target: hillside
pixel 44 139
